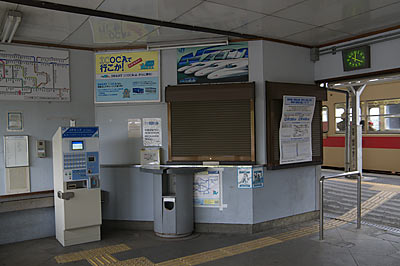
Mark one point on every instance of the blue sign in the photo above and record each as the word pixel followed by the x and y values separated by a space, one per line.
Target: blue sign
pixel 80 132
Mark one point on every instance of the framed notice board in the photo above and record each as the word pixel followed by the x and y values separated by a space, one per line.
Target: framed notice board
pixel 274 100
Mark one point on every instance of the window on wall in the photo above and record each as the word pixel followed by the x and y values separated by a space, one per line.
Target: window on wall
pixel 212 122
pixel 325 122
pixel 383 116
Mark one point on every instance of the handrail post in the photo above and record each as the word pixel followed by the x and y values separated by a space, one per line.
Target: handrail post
pixel 359 200
pixel 321 208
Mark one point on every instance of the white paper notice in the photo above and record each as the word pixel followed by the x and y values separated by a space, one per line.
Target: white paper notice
pixel 295 129
pixel 16 151
pixel 134 128
pixel 152 132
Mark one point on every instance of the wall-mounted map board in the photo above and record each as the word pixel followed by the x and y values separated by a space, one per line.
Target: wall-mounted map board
pixel 34 74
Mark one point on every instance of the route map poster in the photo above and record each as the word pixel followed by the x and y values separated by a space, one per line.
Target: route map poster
pixel 213 64
pixel 34 74
pixel 127 77
pixel 207 189
pixel 295 129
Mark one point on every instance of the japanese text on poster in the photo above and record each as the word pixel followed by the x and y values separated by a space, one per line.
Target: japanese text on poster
pixel 258 177
pixel 244 177
pixel 152 132
pixel 295 129
pixel 127 77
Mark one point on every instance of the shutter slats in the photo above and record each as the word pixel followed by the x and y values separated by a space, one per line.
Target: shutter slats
pixel 211 128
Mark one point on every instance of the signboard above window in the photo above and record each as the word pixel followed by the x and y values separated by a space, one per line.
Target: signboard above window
pixel 126 77
pixel 213 64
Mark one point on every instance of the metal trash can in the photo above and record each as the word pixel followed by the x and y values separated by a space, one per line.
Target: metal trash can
pixel 173 201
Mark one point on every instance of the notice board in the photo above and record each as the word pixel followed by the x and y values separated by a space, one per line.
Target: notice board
pixel 16 151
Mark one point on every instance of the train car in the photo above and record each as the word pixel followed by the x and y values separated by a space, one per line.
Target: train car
pixel 380 110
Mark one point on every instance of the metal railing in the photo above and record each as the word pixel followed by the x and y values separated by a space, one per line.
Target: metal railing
pixel 321 199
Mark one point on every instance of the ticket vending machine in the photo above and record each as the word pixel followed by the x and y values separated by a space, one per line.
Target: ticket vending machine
pixel 76 185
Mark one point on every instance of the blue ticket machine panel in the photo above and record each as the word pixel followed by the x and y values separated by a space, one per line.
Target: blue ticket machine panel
pixel 81 157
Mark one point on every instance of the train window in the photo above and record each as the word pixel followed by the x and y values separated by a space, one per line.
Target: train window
pixel 384 116
pixel 325 123
pixel 340 116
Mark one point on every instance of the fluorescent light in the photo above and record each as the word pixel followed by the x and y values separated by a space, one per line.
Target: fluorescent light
pixel 186 43
pixel 10 26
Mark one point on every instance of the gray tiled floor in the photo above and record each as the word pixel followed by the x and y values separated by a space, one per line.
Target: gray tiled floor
pixel 342 246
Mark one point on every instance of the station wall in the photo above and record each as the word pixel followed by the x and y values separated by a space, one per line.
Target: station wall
pixel 294 189
pixel 41 119
pixel 384 55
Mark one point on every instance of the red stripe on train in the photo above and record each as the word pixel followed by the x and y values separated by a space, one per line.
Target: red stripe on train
pixel 368 142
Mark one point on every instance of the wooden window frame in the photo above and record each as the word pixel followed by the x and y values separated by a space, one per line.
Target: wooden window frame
pixel 212 92
pixel 276 91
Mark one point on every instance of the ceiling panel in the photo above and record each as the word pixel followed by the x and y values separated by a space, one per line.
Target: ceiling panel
pixel 154 9
pixel 218 16
pixel 164 34
pixel 42 25
pixel 100 32
pixel 273 27
pixel 266 7
pixel 317 36
pixel 371 21
pixel 92 4
pixel 321 12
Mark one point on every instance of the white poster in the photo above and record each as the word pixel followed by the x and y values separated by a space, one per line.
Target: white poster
pixel 206 189
pixel 152 132
pixel 295 129
pixel 244 176
pixel 16 151
pixel 134 128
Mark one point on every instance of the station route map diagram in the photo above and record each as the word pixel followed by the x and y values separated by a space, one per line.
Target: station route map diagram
pixel 34 74
pixel 206 189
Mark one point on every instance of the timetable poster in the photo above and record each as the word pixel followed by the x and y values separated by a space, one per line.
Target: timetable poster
pixel 127 77
pixel 295 129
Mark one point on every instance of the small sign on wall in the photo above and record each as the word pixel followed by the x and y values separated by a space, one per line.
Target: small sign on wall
pixel 250 177
pixel 152 132
pixel 244 177
pixel 14 121
pixel 134 128
pixel 258 177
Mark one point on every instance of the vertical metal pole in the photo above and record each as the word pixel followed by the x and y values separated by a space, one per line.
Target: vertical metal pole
pixel 358 146
pixel 321 208
pixel 347 134
pixel 359 200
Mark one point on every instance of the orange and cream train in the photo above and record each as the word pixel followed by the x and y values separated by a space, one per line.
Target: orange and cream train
pixel 380 109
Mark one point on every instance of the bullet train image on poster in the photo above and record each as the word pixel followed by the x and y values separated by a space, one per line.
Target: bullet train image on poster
pixel 197 67
pixel 239 68
pixel 216 65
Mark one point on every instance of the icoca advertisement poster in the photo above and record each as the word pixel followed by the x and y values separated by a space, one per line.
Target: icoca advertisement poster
pixel 213 64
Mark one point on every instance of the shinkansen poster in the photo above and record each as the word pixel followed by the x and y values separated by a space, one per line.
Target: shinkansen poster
pixel 124 76
pixel 214 64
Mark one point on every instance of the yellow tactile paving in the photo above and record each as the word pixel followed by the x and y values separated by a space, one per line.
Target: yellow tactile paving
pixel 220 253
pixel 93 253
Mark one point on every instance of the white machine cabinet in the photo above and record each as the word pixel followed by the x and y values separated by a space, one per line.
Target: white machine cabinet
pixel 76 171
